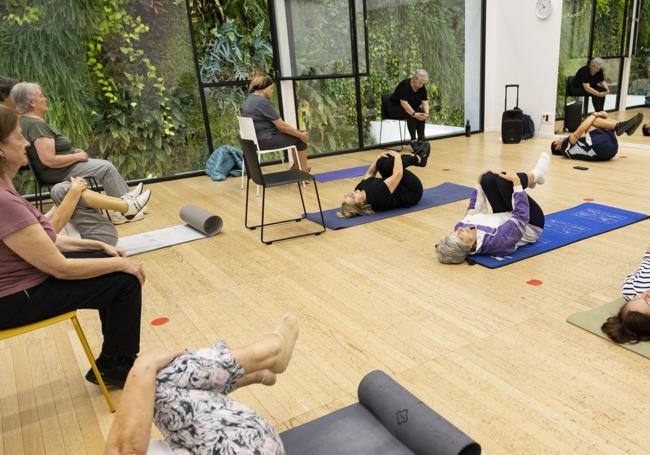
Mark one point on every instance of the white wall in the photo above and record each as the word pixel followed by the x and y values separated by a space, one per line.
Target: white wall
pixel 521 49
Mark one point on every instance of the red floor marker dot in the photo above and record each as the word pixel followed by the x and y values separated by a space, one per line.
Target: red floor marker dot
pixel 535 282
pixel 623 157
pixel 160 321
pixel 446 169
pixel 588 199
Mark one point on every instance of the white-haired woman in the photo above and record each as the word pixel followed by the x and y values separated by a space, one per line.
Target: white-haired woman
pixel 590 81
pixel 409 102
pixel 52 154
pixel 515 220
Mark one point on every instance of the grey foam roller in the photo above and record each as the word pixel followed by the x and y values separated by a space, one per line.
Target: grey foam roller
pixel 412 422
pixel 201 220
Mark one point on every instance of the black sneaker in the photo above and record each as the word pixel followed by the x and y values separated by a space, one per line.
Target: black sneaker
pixel 423 150
pixel 646 130
pixel 629 126
pixel 114 371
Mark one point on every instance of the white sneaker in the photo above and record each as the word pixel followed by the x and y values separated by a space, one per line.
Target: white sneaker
pixel 119 218
pixel 137 205
pixel 135 192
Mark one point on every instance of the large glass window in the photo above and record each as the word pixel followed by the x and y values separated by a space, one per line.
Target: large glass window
pixel 639 87
pixel 320 40
pixel 120 78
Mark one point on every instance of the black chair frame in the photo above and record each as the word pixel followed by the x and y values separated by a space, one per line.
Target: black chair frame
pixel 39 184
pixel 270 180
pixel 385 99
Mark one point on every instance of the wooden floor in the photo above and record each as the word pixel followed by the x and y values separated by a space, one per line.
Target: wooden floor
pixel 486 350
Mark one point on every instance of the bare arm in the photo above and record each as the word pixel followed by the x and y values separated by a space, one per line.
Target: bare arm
pixel 34 246
pixel 131 429
pixel 398 171
pixel 582 129
pixel 60 216
pixel 47 154
pixel 284 127
pixel 407 107
pixel 591 91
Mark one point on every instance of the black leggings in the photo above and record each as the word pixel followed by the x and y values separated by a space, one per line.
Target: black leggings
pixel 396 111
pixel 117 296
pixel 499 194
pixel 409 190
pixel 597 101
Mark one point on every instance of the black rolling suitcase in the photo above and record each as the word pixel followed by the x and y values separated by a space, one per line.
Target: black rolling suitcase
pixel 512 121
pixel 572 116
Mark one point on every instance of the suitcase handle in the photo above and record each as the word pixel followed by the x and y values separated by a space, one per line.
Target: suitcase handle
pixel 505 104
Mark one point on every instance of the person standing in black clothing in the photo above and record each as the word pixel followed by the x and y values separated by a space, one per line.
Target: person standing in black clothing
pixel 397 187
pixel 409 102
pixel 590 81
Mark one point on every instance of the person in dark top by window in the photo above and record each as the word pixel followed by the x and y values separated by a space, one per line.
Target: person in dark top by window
pixel 409 102
pixel 590 81
pixel 397 188
pixel 595 138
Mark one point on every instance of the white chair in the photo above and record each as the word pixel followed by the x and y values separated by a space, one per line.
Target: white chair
pixel 247 132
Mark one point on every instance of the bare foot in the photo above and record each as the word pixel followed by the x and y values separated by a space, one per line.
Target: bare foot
pixel 268 378
pixel 287 331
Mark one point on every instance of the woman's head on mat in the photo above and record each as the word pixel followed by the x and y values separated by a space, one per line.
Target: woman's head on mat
pixel 355 204
pixel 455 247
pixel 261 85
pixel 559 145
pixel 632 323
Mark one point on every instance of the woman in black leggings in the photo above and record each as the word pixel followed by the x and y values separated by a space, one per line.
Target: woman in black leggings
pixel 515 219
pixel 397 188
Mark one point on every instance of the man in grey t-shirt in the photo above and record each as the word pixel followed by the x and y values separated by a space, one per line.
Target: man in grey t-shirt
pixel 273 132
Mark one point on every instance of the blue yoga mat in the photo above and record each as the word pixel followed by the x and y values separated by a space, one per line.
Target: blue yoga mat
pixel 341 174
pixel 432 197
pixel 565 227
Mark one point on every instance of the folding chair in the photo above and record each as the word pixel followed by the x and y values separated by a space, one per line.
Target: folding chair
pixel 270 180
pixel 247 132
pixel 385 99
pixel 72 316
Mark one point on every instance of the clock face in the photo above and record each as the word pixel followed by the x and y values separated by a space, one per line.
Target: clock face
pixel 543 8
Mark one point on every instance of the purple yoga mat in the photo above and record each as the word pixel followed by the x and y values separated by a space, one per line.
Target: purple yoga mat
pixel 341 174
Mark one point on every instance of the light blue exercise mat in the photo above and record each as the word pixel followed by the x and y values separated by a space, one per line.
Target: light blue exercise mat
pixel 566 227
pixel 432 197
pixel 341 174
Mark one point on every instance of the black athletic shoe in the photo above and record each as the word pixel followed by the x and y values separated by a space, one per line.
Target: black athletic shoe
pixel 114 371
pixel 646 130
pixel 423 150
pixel 629 126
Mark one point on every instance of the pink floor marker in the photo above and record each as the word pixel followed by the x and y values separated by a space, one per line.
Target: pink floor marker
pixel 160 321
pixel 588 199
pixel 623 157
pixel 535 282
pixel 446 169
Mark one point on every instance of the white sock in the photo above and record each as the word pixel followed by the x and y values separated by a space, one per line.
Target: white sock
pixel 540 169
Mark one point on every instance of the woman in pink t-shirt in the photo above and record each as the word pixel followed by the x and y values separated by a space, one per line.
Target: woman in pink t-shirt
pixel 43 274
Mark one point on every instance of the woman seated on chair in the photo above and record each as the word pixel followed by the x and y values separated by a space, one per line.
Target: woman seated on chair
pixel 37 281
pixel 516 219
pixel 397 188
pixel 632 323
pixel 81 207
pixel 590 81
pixel 186 394
pixel 410 102
pixel 595 138
pixel 273 132
pixel 52 156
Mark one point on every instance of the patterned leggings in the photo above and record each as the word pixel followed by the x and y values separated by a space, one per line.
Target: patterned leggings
pixel 195 415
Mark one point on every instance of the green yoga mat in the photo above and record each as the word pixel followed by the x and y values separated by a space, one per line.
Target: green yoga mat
pixel 592 320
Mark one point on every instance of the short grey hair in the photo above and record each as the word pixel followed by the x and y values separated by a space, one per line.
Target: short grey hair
pixel 596 62
pixel 451 250
pixel 422 75
pixel 24 93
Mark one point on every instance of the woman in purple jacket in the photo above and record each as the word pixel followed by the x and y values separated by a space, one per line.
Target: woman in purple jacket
pixel 516 219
